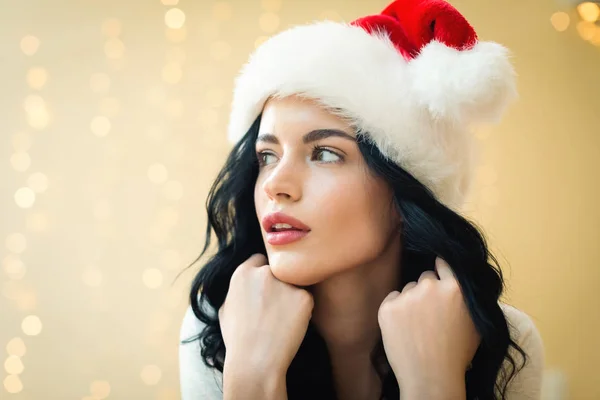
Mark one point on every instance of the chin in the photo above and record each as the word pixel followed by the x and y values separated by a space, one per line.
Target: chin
pixel 295 269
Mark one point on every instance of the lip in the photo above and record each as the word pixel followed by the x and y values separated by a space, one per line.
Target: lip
pixel 284 237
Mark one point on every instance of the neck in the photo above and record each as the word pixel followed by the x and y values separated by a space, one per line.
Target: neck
pixel 345 314
pixel 346 304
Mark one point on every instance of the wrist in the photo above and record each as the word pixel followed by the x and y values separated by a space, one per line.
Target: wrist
pixel 440 390
pixel 248 382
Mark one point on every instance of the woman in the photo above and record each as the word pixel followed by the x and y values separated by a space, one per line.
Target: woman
pixel 344 269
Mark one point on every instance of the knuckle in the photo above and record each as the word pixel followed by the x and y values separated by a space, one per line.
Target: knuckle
pixel 388 312
pixel 238 271
pixel 258 259
pixel 263 270
pixel 425 274
pixel 310 302
pixel 413 297
pixel 426 285
pixel 305 297
pixel 255 260
pixel 384 310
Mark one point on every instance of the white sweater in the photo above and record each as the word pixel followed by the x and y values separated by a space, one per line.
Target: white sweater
pixel 199 382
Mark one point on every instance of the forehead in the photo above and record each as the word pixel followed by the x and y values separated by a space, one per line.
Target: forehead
pixel 295 115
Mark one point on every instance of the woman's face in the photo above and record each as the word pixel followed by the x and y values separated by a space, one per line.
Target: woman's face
pixel 312 170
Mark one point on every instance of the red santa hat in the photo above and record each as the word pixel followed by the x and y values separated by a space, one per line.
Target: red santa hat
pixel 412 79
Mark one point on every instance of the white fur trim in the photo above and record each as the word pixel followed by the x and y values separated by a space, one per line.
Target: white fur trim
pixel 416 112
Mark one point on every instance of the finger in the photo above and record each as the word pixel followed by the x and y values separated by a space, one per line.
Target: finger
pixel 443 269
pixel 427 275
pixel 391 296
pixel 409 286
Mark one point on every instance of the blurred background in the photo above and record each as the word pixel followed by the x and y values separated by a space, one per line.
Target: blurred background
pixel 113 117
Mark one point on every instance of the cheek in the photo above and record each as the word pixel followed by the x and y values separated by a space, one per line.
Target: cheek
pixel 354 220
pixel 259 198
pixel 351 227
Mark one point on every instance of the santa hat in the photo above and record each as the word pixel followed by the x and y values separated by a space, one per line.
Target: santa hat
pixel 412 79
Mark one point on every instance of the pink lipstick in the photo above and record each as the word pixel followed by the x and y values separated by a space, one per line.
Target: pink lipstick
pixel 283 229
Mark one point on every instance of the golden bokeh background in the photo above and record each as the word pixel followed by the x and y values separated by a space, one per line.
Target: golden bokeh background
pixel 113 121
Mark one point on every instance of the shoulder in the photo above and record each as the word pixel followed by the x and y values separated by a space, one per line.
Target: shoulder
pixel 191 326
pixel 519 321
pixel 197 380
pixel 527 384
pixel 524 332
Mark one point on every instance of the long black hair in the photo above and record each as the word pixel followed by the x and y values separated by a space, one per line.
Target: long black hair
pixel 429 229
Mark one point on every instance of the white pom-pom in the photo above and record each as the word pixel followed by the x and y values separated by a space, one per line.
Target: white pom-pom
pixel 467 86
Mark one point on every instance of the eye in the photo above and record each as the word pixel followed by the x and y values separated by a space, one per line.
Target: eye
pixel 264 158
pixel 325 155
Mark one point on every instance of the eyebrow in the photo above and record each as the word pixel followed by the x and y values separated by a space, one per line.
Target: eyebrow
pixel 312 136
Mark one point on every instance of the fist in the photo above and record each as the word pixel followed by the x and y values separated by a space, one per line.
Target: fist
pixel 263 320
pixel 427 332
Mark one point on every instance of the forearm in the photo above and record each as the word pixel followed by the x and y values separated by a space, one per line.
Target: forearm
pixel 247 383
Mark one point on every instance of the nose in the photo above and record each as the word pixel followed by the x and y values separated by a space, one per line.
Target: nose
pixel 284 182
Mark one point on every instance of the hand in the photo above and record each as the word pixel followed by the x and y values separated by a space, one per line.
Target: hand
pixel 429 336
pixel 263 320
